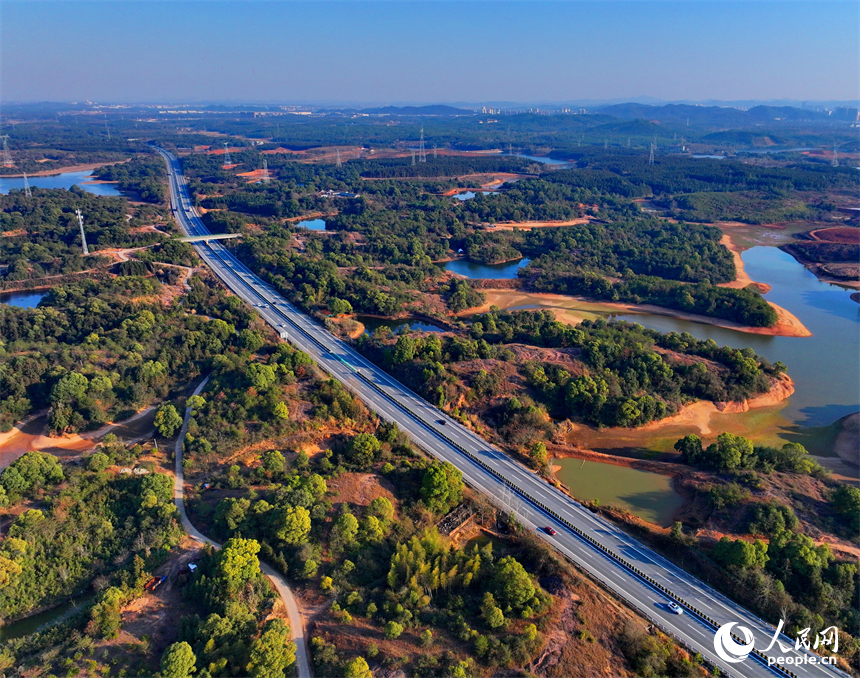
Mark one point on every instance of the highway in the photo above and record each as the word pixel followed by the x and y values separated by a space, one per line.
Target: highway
pixel 634 573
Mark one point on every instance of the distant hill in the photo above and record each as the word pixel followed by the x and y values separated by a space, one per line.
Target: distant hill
pixel 710 115
pixel 417 110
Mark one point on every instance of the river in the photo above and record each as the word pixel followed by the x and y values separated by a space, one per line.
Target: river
pixel 66 180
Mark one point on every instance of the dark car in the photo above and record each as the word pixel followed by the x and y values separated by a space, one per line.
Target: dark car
pixel 440 421
pixel 551 532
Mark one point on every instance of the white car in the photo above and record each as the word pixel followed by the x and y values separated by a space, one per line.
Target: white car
pixel 674 607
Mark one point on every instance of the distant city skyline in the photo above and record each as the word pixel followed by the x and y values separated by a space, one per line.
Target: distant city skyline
pixel 358 53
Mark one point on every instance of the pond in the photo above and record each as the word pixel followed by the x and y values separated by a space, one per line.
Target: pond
pixel 23 299
pixel 397 326
pixel 470 269
pixel 27 625
pixel 647 495
pixel 468 195
pixel 312 224
pixel 65 180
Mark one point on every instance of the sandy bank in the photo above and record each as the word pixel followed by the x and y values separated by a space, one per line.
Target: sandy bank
pixel 65 170
pixel 529 225
pixel 572 309
pixel 742 280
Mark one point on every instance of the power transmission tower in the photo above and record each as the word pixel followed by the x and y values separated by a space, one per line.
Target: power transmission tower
pixel 434 151
pixel 606 143
pixel 107 129
pixel 7 157
pixel 338 163
pixel 835 161
pixel 422 152
pixel 265 170
pixel 628 142
pixel 27 190
pixel 651 156
pixel 227 160
pixel 510 149
pixel 655 141
pixel 83 235
pixel 413 157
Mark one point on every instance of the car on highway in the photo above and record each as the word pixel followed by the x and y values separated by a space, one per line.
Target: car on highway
pixel 441 422
pixel 551 532
pixel 674 607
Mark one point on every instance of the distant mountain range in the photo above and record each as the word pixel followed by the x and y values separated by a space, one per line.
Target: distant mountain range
pixel 438 109
pixel 718 115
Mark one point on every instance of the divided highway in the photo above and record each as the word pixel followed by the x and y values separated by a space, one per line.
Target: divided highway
pixel 630 570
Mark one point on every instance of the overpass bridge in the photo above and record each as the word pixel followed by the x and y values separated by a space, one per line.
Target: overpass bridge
pixel 210 236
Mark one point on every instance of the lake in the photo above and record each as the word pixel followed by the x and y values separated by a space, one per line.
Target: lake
pixel 493 271
pixel 824 367
pixel 543 159
pixel 66 180
pixel 397 326
pixel 647 495
pixel 312 224
pixel 24 299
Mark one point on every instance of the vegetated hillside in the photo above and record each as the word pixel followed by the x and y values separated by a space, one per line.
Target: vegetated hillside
pixel 605 374
pixel 768 527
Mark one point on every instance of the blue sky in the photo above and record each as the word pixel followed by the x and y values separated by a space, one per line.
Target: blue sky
pixel 399 52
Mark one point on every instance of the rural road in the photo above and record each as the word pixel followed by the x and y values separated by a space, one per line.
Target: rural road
pixel 296 626
pixel 641 577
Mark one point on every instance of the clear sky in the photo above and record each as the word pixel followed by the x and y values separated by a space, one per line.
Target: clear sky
pixel 402 52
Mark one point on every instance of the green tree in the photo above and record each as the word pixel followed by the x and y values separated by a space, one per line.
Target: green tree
pixel 442 487
pixel 846 503
pixel 251 340
pixel 98 461
pixel 357 668
pixel 273 652
pixel 281 411
pixel 540 454
pixel 730 452
pixel 364 448
pixel 492 614
pixel 382 508
pixel 690 448
pixel 167 421
pixel 345 529
pixel 261 376
pixel 340 306
pixel 513 585
pixel 741 554
pixel 178 661
pixel 237 563
pixel 273 462
pixel 294 524
pixel 392 630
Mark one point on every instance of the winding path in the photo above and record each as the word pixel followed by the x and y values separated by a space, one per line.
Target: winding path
pixel 280 584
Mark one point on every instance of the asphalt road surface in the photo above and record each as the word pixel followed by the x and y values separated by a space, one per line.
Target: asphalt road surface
pixel 645 580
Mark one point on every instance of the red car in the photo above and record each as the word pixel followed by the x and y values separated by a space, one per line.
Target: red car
pixel 551 532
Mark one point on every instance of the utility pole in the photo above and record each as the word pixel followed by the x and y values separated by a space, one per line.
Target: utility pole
pixel 7 156
pixel 83 235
